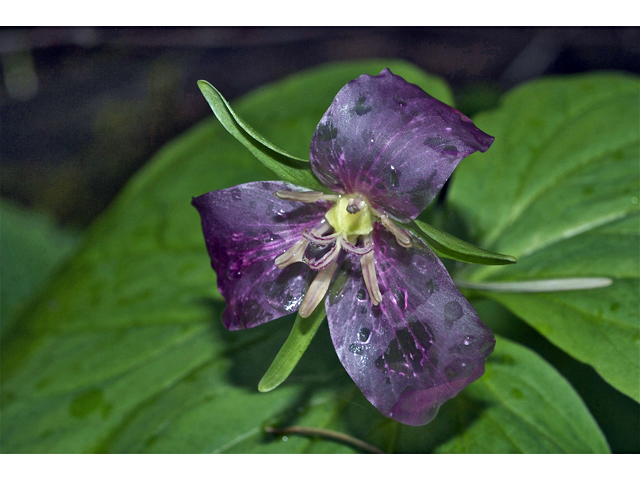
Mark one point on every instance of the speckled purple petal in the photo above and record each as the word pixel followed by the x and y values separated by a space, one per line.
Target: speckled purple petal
pixel 245 229
pixel 388 140
pixel 421 346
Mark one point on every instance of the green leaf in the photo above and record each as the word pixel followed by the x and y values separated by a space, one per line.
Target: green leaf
pixel 559 190
pixel 447 246
pixel 303 331
pixel 31 249
pixel 286 166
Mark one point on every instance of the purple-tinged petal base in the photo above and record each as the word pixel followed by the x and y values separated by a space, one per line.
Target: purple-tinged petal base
pixel 245 229
pixel 420 346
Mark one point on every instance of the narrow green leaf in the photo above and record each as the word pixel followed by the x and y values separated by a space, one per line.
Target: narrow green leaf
pixel 303 331
pixel 533 286
pixel 286 166
pixel 447 246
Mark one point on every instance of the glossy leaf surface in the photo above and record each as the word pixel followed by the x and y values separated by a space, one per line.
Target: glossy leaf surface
pixel 560 192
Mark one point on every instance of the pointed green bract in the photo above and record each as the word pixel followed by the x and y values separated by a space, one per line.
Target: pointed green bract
pixel 447 246
pixel 286 166
pixel 559 189
pixel 303 331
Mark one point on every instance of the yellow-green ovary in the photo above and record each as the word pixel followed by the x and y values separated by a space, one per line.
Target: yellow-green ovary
pixel 350 224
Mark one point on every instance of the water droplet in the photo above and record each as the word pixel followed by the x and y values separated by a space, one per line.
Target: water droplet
pixel 447 129
pixel 634 200
pixel 364 334
pixel 356 349
pixel 450 149
pixel 400 102
pixel 235 194
pixel 400 298
pixel 280 216
pixel 362 294
pixel 468 340
pixel 452 312
pixel 285 438
pixel 394 177
pixel 432 286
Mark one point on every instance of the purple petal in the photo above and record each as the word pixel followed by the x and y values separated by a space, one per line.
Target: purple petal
pixel 421 346
pixel 389 141
pixel 245 229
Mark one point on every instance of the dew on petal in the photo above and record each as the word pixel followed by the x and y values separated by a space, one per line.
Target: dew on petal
pixel 450 149
pixel 362 294
pixel 364 334
pixel 394 177
pixel 432 285
pixel 356 348
pixel 452 312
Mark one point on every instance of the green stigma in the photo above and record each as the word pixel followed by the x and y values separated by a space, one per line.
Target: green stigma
pixel 360 222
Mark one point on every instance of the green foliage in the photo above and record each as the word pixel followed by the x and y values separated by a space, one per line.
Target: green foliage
pixel 559 191
pixel 303 331
pixel 448 246
pixel 125 351
pixel 31 248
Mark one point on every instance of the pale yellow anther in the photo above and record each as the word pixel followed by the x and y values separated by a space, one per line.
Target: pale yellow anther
pixel 293 254
pixel 317 290
pixel 402 237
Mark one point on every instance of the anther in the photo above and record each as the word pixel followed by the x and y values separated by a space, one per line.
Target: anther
pixel 369 274
pixel 326 259
pixel 317 290
pixel 402 237
pixel 305 197
pixel 293 254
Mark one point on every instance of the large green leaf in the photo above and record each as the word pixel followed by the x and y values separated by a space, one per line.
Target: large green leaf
pixel 31 248
pixel 559 190
pixel 125 350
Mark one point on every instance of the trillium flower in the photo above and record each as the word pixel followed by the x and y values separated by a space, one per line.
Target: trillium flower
pixel 404 333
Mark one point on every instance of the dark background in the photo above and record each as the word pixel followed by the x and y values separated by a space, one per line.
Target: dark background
pixel 81 109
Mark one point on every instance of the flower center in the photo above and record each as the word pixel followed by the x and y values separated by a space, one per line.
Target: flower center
pixel 352 220
pixel 350 216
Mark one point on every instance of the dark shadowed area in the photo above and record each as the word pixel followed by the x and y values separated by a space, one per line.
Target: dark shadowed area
pixel 82 109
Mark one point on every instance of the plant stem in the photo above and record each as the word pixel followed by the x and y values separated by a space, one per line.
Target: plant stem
pixel 330 434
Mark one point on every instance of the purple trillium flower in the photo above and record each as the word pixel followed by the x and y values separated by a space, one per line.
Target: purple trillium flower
pixel 404 333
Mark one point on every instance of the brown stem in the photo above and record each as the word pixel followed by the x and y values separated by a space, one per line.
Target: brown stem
pixel 321 432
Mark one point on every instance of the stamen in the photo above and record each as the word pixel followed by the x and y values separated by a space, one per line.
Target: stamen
pixel 317 290
pixel 293 254
pixel 402 237
pixel 318 240
pixel 351 248
pixel 369 275
pixel 326 259
pixel 317 234
pixel 305 197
